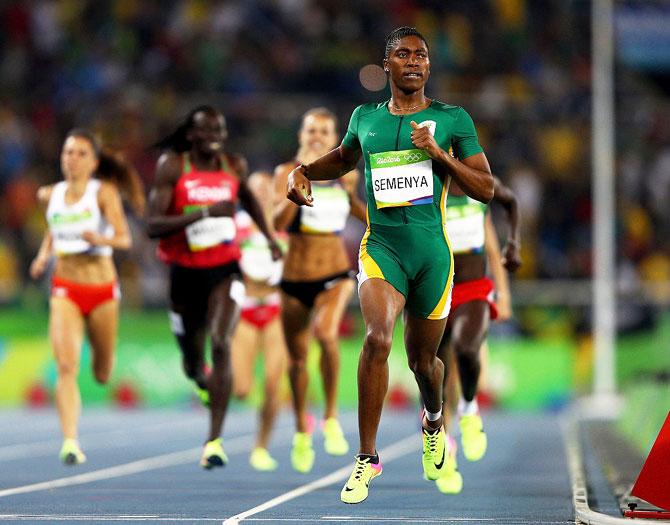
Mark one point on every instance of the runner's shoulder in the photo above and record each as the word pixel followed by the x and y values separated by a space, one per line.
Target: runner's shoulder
pixel 449 109
pixel 371 108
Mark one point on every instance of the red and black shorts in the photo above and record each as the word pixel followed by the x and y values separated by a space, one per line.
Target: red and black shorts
pixel 190 288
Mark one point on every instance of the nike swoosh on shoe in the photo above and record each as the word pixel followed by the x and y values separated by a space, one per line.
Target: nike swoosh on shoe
pixel 438 466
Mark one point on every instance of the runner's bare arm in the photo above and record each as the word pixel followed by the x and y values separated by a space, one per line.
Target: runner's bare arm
pixel 41 261
pixel 511 252
pixel 358 207
pixel 250 203
pixel 111 208
pixel 498 272
pixel 44 194
pixel 284 210
pixel 330 166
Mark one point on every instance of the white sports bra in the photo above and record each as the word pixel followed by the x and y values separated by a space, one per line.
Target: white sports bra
pixel 67 223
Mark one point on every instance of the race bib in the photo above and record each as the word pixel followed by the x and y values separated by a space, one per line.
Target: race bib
pixel 68 242
pixel 67 230
pixel 256 262
pixel 329 213
pixel 466 229
pixel 209 232
pixel 402 178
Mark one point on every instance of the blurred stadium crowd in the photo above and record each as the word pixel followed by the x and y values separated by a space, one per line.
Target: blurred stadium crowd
pixel 130 69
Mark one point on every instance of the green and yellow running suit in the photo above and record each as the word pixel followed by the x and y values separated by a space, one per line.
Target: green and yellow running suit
pixel 406 243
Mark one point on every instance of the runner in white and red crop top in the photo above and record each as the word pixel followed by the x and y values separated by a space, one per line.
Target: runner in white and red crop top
pixel 86 223
pixel 191 209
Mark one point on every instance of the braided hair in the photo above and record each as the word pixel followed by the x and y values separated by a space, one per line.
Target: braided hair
pixel 399 33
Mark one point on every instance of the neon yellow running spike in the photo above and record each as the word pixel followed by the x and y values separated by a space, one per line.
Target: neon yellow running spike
pixel 450 481
pixel 334 442
pixel 70 453
pixel 302 453
pixel 434 453
pixel 261 460
pixel 213 454
pixel 203 395
pixel 356 488
pixel 473 437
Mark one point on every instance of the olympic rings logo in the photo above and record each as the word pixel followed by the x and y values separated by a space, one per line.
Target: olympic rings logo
pixel 413 157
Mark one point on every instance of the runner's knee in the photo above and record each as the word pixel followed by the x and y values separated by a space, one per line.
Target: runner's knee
pixel 466 351
pixel 377 345
pixel 422 365
pixel 326 336
pixel 67 369
pixel 297 362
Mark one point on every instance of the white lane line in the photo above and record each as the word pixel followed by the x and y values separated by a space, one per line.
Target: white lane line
pixel 452 519
pixel 394 451
pixel 142 465
pixel 235 445
pixel 50 446
pixel 345 519
pixel 97 517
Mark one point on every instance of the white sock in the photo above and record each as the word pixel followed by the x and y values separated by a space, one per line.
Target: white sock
pixel 432 416
pixel 468 408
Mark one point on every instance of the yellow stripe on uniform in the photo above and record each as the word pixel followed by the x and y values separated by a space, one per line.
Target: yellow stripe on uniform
pixel 442 309
pixel 367 264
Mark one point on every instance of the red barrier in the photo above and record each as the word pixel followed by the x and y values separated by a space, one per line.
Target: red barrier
pixel 653 483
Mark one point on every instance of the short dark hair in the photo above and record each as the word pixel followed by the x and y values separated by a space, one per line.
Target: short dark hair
pixel 401 32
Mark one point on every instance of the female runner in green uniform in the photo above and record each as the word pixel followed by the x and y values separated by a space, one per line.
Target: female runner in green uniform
pixel 405 262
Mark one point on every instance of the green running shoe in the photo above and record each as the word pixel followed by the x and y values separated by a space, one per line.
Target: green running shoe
pixel 70 453
pixel 473 437
pixel 302 453
pixel 434 453
pixel 213 454
pixel 357 486
pixel 334 442
pixel 261 460
pixel 450 481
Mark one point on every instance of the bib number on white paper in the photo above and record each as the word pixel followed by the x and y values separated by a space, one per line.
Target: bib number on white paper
pixel 209 232
pixel 402 178
pixel 466 234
